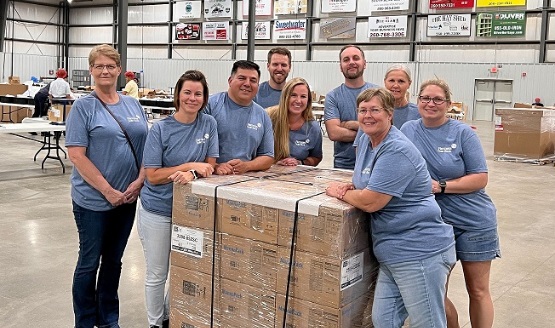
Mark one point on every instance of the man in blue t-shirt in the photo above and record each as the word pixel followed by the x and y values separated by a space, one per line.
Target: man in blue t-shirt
pixel 279 65
pixel 340 112
pixel 245 130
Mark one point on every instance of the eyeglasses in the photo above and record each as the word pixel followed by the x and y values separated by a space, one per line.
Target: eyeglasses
pixel 101 68
pixel 436 100
pixel 372 111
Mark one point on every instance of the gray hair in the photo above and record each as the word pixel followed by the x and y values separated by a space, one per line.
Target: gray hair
pixel 399 67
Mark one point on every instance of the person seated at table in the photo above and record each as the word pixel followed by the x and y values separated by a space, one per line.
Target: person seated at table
pixel 297 135
pixel 537 102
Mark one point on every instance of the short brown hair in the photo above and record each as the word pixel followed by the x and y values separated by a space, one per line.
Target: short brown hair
pixel 351 46
pixel 104 50
pixel 439 83
pixel 385 97
pixel 279 51
pixel 195 76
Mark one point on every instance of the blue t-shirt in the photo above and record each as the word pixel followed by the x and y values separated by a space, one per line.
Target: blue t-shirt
pixel 405 113
pixel 341 104
pixel 267 96
pixel 172 143
pixel 90 125
pixel 453 150
pixel 306 142
pixel 244 132
pixel 409 227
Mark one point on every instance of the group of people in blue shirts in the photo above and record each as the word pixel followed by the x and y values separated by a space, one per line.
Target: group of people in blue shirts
pixel 422 217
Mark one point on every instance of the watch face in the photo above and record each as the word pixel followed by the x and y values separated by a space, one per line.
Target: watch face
pixel 442 184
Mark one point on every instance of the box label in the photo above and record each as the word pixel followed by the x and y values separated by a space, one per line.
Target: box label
pixel 187 241
pixel 498 123
pixel 352 271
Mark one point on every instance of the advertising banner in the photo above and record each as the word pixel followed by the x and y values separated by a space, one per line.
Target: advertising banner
pixel 339 6
pixel 217 8
pixel 449 25
pixel 215 31
pixel 290 29
pixel 338 28
pixel 503 24
pixel 261 31
pixel 387 27
pixel 500 3
pixel 187 31
pixel 262 8
pixel 290 7
pixel 388 5
pixel 451 4
pixel 188 9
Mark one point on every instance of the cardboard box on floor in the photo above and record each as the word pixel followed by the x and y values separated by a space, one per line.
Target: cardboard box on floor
pixel 15 114
pixel 524 133
pixel 191 298
pixel 56 112
pixel 12 89
pixel 302 313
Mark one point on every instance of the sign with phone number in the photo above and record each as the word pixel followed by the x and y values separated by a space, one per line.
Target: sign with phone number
pixel 387 27
pixel 500 3
pixel 388 5
pixel 451 4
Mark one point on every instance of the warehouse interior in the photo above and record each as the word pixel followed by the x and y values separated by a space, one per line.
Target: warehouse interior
pixel 38 236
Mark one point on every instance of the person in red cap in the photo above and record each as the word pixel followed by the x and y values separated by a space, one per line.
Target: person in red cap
pixel 537 102
pixel 59 88
pixel 131 87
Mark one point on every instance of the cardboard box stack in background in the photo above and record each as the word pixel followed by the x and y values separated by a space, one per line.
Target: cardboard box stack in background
pixel 241 228
pixel 57 112
pixel 522 133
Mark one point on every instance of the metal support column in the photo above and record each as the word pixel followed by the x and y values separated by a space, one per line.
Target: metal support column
pixel 412 32
pixel 122 24
pixel 310 16
pixel 3 22
pixel 544 31
pixel 170 30
pixel 252 28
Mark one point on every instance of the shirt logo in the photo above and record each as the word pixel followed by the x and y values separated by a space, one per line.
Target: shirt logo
pixel 366 171
pixel 254 126
pixel 447 149
pixel 203 140
pixel 137 118
pixel 302 143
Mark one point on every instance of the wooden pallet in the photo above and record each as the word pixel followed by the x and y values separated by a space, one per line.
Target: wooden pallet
pixel 534 161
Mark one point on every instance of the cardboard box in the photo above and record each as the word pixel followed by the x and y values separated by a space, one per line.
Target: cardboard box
pixel 318 178
pixel 193 249
pixel 326 281
pixel 248 261
pixel 524 133
pixel 194 204
pixel 15 114
pixel 14 79
pixel 58 112
pixel 181 319
pixel 250 209
pixel 12 89
pixel 191 295
pixel 302 314
pixel 245 306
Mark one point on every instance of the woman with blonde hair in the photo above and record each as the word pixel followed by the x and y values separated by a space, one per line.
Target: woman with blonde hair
pixel 297 135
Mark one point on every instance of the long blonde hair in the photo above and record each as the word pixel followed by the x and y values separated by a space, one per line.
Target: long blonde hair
pixel 280 119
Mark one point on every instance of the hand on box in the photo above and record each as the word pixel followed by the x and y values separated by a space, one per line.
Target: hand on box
pixel 182 177
pixel 289 161
pixel 203 169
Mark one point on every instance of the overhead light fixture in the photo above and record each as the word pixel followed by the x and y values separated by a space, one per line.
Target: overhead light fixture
pixel 69 1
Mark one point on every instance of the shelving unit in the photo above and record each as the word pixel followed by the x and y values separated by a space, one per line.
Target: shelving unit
pixel 80 78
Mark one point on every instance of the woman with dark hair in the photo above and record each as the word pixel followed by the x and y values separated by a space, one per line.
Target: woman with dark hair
pixel 179 149
pixel 297 136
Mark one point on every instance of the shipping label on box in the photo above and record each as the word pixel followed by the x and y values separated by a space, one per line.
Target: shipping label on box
pixel 245 306
pixel 193 248
pixel 321 279
pixel 249 220
pixel 249 261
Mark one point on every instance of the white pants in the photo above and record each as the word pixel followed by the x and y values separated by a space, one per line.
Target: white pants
pixel 155 234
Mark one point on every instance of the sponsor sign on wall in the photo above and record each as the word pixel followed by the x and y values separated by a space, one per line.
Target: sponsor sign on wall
pixel 290 29
pixel 449 25
pixel 217 8
pixel 188 9
pixel 388 5
pixel 501 24
pixel 187 31
pixel 261 31
pixel 339 6
pixel 500 3
pixel 290 7
pixel 387 27
pixel 338 28
pixel 215 31
pixel 451 4
pixel 262 7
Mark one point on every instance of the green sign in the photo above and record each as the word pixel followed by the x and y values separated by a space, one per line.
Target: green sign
pixel 502 24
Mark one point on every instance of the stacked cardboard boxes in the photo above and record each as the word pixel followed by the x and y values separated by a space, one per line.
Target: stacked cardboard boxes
pixel 247 225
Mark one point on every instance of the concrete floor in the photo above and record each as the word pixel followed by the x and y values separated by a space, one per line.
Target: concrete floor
pixel 38 243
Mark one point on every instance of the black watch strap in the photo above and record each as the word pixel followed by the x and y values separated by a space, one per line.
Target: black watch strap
pixel 442 185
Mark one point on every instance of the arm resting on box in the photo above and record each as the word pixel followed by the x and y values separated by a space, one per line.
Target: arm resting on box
pixel 365 199
pixel 164 175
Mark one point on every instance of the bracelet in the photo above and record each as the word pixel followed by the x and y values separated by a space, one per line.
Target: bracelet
pixel 194 173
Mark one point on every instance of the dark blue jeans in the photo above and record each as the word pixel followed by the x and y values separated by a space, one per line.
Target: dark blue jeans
pixel 102 240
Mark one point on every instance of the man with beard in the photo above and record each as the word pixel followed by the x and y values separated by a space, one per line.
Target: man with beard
pixel 245 130
pixel 279 65
pixel 340 113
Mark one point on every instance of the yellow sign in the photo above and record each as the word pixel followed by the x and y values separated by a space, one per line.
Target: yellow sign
pixel 500 3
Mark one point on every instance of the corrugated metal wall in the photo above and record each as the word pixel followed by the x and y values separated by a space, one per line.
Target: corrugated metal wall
pixel 322 76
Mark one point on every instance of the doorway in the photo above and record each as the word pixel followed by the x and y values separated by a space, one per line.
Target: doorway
pixel 490 94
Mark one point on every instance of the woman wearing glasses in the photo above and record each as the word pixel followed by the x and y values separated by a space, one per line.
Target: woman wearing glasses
pixel 105 137
pixel 414 247
pixel 398 80
pixel 179 149
pixel 298 138
pixel 457 164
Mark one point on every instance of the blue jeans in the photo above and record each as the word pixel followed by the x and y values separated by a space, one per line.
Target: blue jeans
pixel 413 289
pixel 102 240
pixel 155 232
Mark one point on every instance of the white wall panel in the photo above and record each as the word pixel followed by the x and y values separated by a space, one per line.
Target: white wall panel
pixel 151 52
pixel 149 14
pixel 96 15
pixel 199 53
pixel 478 54
pixel 34 12
pixel 147 34
pixel 89 34
pixel 26 66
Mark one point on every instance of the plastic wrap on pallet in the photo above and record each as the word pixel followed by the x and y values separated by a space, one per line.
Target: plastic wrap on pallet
pixel 523 134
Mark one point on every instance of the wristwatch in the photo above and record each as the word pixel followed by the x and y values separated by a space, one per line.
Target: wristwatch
pixel 194 173
pixel 442 185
